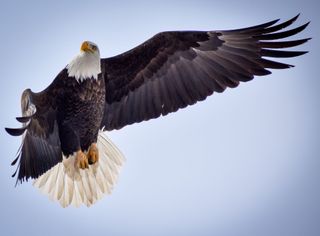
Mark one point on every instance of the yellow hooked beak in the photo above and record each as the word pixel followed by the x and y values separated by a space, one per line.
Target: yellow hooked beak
pixel 86 47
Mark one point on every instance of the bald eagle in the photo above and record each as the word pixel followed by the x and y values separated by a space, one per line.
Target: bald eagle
pixel 63 145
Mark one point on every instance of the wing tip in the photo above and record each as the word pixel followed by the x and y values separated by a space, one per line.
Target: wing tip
pixel 273 21
pixel 295 17
pixel 23 119
pixel 302 52
pixel 15 131
pixel 302 27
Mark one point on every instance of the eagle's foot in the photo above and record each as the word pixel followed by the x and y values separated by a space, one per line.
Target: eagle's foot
pixel 93 154
pixel 81 160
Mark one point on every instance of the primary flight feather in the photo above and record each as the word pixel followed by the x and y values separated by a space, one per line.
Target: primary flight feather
pixel 64 148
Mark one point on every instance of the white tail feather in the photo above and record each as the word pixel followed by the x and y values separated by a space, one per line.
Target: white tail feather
pixel 74 186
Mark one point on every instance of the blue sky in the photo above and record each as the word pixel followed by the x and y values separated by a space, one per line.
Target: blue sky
pixel 245 162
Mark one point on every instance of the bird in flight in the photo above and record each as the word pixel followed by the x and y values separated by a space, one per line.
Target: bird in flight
pixel 64 147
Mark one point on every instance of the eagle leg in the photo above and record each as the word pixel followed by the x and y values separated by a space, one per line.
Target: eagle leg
pixel 93 154
pixel 81 160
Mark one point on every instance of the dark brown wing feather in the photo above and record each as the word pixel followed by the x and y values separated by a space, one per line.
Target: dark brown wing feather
pixel 40 149
pixel 175 69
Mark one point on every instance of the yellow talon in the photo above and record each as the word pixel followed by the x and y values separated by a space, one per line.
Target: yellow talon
pixel 93 154
pixel 81 160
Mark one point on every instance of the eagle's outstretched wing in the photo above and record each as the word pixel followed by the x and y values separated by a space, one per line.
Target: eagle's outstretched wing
pixel 40 149
pixel 175 69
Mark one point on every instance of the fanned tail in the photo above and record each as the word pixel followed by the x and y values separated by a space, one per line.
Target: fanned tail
pixel 73 186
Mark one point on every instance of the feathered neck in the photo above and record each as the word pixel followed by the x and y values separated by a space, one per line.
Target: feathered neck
pixel 84 66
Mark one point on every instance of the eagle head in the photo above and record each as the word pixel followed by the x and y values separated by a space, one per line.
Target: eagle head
pixel 89 47
pixel 86 65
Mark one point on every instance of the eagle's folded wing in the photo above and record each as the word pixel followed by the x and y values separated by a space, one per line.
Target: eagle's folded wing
pixel 40 149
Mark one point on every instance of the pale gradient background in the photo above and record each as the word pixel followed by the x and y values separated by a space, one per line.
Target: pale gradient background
pixel 245 162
